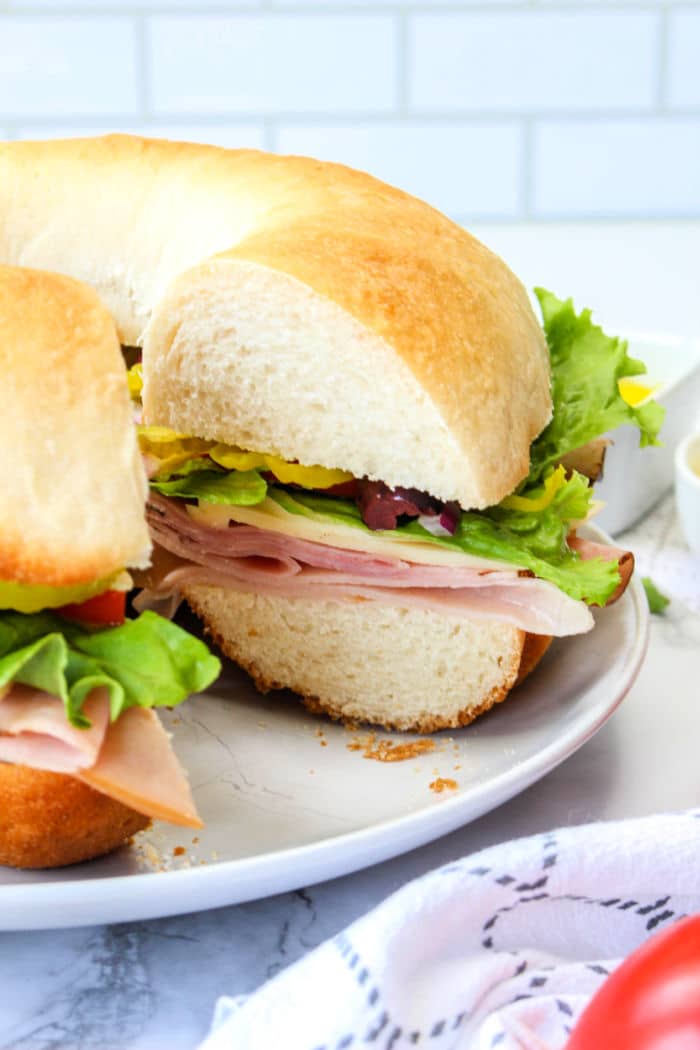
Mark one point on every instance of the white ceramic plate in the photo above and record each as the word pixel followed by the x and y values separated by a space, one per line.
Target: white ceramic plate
pixel 287 803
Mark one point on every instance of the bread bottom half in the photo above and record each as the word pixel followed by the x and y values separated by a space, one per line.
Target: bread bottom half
pixel 48 820
pixel 405 669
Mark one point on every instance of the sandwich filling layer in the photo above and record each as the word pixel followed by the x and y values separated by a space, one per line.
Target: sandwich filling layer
pixel 130 760
pixel 253 522
pixel 227 553
pixel 77 692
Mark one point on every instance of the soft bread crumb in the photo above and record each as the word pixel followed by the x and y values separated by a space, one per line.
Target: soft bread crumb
pixel 403 669
pixel 388 751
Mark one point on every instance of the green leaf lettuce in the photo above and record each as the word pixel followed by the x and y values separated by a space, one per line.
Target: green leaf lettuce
pixel 656 600
pixel 233 487
pixel 147 662
pixel 586 367
pixel 535 541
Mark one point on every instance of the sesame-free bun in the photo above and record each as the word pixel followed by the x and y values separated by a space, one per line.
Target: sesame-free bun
pixel 48 820
pixel 72 486
pixel 295 307
pixel 406 669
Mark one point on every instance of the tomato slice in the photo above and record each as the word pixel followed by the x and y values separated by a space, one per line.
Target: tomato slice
pixel 651 1001
pixel 106 608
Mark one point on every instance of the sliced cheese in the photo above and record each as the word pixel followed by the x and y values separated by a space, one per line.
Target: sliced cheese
pixel 271 516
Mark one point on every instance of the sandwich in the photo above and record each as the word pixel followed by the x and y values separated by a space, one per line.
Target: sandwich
pixel 84 760
pixel 346 574
pixel 363 447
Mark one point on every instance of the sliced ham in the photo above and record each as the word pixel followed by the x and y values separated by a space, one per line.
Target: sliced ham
pixel 539 608
pixel 130 760
pixel 248 558
pixel 138 767
pixel 246 552
pixel 34 730
pixel 588 549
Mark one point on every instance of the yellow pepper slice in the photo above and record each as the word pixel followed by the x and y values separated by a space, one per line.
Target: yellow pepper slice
pixel 134 378
pixel 172 448
pixel 234 458
pixel 158 435
pixel 529 503
pixel 169 447
pixel 288 473
pixel 634 392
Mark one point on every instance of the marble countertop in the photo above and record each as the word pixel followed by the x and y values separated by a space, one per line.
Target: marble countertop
pixel 152 985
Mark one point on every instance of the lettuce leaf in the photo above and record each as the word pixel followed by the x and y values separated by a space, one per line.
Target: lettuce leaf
pixel 240 488
pixel 586 367
pixel 534 541
pixel 656 600
pixel 147 662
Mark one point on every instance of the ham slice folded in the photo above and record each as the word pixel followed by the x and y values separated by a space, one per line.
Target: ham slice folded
pixel 130 760
pixel 248 558
pixel 138 767
pixel 34 730
pixel 587 549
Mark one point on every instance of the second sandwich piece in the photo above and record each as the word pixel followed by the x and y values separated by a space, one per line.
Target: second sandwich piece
pixel 84 759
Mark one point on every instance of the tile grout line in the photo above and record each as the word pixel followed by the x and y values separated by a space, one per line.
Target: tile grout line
pixel 342 119
pixel 382 7
pixel 143 65
pixel 527 174
pixel 662 60
pixel 270 131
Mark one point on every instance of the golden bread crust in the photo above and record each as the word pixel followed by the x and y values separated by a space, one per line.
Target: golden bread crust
pixel 534 648
pixel 48 820
pixel 422 725
pixel 72 487
pixel 449 310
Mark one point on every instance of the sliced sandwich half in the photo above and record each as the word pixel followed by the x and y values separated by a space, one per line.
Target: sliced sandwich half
pixel 373 513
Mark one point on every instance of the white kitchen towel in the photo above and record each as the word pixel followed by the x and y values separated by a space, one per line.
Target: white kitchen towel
pixel 498 950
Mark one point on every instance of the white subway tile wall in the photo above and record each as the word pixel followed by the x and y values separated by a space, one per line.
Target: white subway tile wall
pixel 530 61
pixel 272 63
pixel 684 59
pixel 508 110
pixel 84 66
pixel 617 168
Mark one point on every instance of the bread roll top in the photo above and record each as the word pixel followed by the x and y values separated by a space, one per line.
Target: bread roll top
pixel 294 306
pixel 72 486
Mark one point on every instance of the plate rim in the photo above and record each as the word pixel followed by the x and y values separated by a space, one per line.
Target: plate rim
pixel 379 842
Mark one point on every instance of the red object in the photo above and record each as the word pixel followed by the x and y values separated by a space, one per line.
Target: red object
pixel 652 1000
pixel 345 490
pixel 106 608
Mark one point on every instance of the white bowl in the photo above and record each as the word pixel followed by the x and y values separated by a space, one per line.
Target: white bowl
pixel 688 489
pixel 635 479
